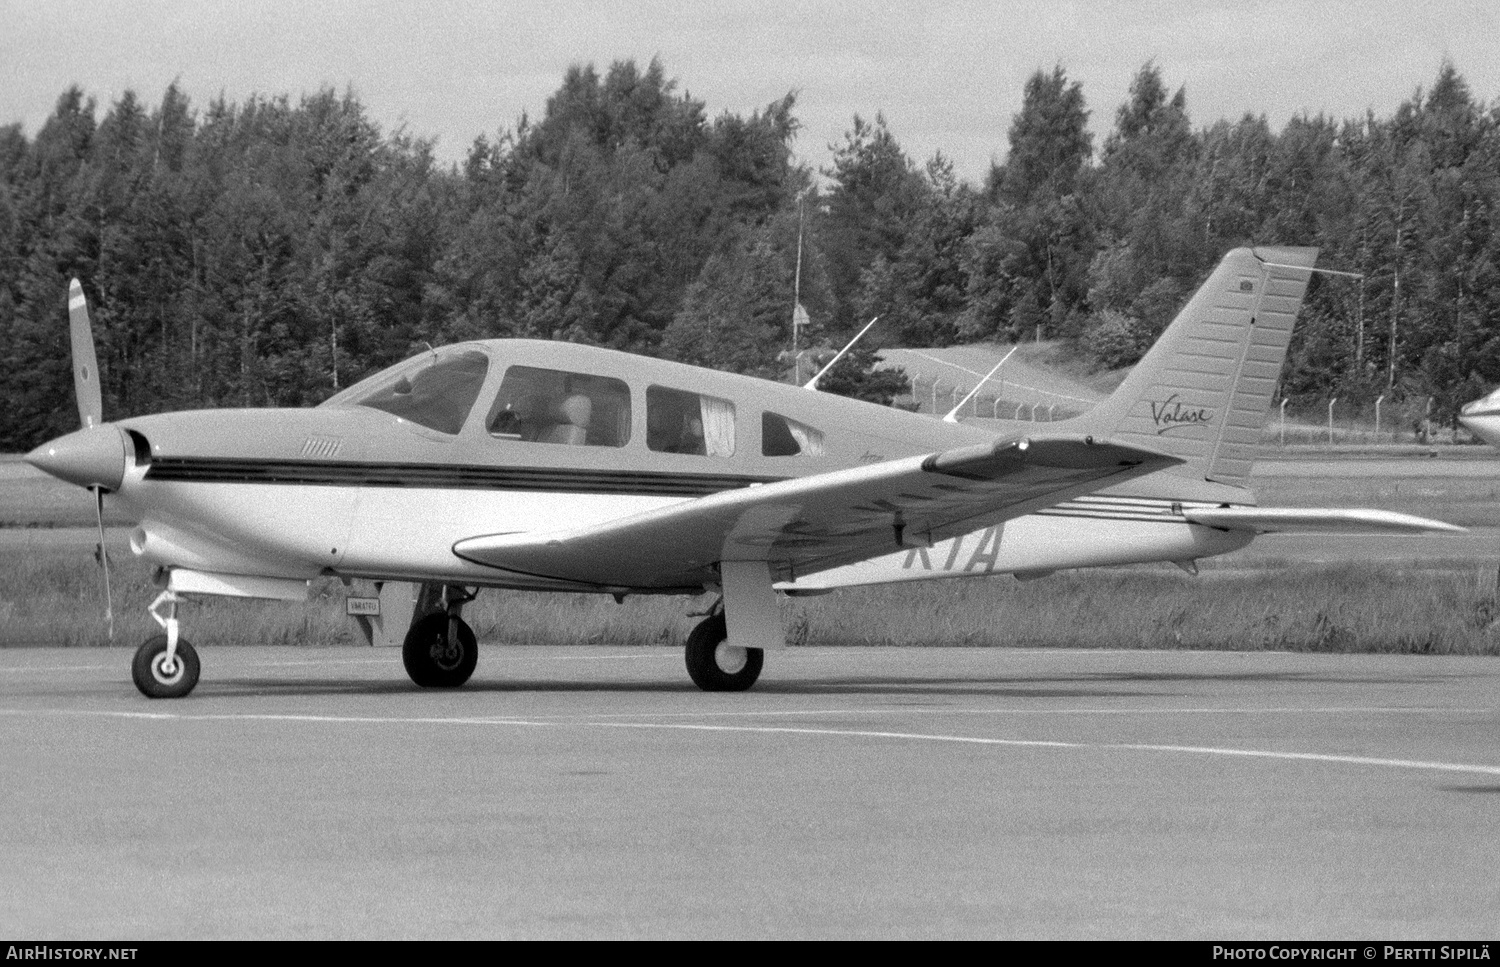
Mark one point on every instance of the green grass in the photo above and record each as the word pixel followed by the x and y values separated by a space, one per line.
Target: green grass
pixel 53 597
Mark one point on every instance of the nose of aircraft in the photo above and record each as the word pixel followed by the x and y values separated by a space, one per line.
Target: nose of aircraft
pixel 90 458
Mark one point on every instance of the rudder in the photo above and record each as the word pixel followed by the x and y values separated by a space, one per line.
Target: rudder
pixel 1203 390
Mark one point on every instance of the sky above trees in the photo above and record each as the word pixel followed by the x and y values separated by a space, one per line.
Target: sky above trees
pixel 271 251
pixel 948 76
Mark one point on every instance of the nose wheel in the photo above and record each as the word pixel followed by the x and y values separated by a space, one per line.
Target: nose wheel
pixel 161 675
pixel 440 651
pixel 716 665
pixel 166 666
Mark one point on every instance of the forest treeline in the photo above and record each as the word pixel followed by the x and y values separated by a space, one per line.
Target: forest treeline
pixel 269 252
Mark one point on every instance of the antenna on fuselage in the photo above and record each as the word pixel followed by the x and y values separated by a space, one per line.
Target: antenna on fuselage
pixel 812 384
pixel 952 416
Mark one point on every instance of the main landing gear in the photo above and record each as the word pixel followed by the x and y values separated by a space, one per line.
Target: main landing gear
pixel 440 650
pixel 166 666
pixel 727 649
pixel 714 664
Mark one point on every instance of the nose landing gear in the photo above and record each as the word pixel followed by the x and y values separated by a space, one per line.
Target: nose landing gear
pixel 166 666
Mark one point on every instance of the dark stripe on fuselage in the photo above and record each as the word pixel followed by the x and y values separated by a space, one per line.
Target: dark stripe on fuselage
pixel 444 477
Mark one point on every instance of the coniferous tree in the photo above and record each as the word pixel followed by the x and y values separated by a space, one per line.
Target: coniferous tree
pixel 1029 257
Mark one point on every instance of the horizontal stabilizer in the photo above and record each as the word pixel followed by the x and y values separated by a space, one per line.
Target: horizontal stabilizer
pixel 1288 520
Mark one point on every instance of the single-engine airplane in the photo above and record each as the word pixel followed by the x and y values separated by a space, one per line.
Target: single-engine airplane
pixel 557 467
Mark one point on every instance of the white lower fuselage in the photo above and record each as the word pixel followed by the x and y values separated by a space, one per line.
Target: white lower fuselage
pixel 299 531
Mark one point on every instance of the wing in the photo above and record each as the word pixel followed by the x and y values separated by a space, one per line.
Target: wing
pixel 812 523
pixel 1282 520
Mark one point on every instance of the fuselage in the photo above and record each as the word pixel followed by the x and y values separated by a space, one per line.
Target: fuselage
pixel 518 436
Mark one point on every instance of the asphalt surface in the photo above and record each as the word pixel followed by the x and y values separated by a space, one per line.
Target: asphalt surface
pixel 891 793
pixel 887 793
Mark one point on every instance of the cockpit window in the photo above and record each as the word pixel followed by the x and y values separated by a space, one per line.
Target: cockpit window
pixel 783 437
pixel 438 396
pixel 551 406
pixel 682 422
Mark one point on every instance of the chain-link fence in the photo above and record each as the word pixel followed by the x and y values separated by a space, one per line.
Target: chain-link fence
pixel 1000 399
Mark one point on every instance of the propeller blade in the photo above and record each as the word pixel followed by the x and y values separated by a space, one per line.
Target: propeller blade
pixel 85 363
pixel 109 601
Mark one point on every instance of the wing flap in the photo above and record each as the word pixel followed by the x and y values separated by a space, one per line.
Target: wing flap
pixel 812 523
pixel 1282 520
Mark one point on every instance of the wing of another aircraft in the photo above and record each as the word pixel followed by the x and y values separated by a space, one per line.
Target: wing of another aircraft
pixel 1274 520
pixel 811 523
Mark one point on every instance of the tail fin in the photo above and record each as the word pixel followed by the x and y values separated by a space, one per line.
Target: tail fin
pixel 1202 392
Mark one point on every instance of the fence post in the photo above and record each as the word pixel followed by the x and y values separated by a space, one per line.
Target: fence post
pixel 1284 401
pixel 1378 400
pixel 1330 420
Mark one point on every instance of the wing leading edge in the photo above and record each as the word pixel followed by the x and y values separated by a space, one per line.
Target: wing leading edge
pixel 808 524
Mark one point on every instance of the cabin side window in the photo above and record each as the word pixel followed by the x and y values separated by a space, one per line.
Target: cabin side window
pixel 551 406
pixel 682 422
pixel 783 437
pixel 438 396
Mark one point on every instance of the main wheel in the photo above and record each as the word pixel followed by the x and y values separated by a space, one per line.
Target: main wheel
pixel 155 678
pixel 717 666
pixel 436 659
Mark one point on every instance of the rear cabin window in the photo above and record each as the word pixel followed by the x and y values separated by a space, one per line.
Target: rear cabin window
pixel 783 437
pixel 438 396
pixel 682 422
pixel 552 406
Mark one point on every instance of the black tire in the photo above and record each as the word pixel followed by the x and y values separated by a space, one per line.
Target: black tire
pixel 153 679
pixel 432 659
pixel 713 669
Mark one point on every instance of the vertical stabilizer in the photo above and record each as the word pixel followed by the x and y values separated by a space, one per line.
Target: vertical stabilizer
pixel 1203 391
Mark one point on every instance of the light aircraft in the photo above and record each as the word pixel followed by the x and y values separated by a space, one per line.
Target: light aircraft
pixel 557 467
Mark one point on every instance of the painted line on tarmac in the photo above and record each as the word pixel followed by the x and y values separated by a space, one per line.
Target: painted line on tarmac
pixel 57 668
pixel 772 713
pixel 1202 750
pixel 672 655
pixel 1085 746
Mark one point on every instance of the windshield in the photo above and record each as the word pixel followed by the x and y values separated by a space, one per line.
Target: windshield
pixel 439 395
